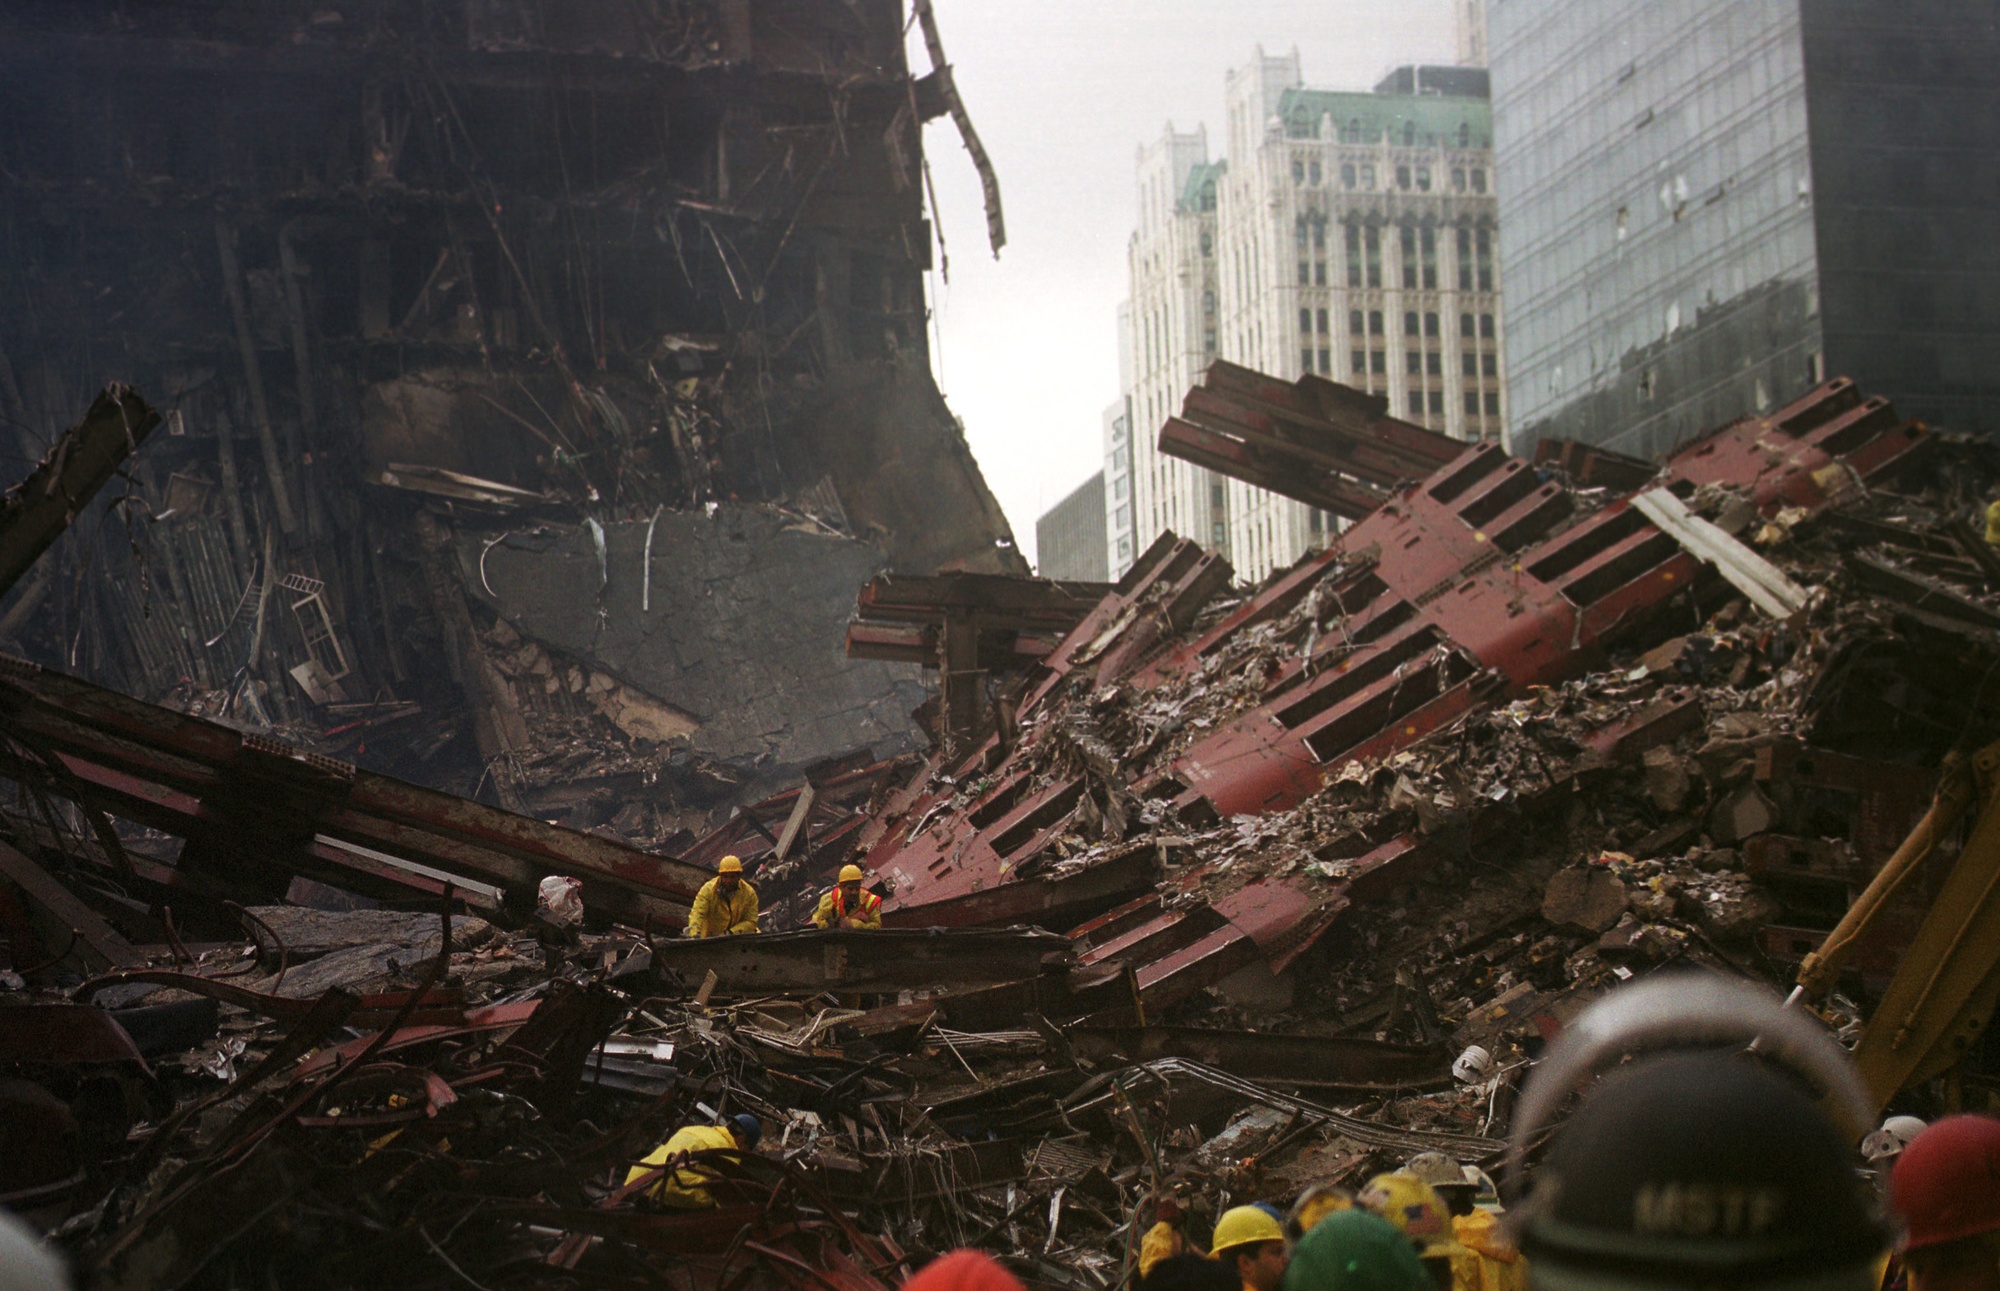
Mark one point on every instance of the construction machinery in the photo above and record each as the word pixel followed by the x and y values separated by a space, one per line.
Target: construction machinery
pixel 1937 1004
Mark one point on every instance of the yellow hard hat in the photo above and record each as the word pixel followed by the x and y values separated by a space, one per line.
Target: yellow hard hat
pixel 1244 1225
pixel 730 865
pixel 1316 1203
pixel 1415 1208
pixel 850 874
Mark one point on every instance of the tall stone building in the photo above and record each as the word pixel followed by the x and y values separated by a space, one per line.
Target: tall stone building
pixel 1711 205
pixel 1350 234
pixel 1472 44
pixel 1069 536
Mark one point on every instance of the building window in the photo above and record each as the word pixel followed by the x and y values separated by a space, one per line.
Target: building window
pixel 1207 243
pixel 1465 325
pixel 1357 362
pixel 1493 403
pixel 1403 178
pixel 1313 174
pixel 1305 320
pixel 1216 497
pixel 1347 176
pixel 1485 260
pixel 1119 458
pixel 1434 363
pixel 1486 326
pixel 1124 549
pixel 1471 363
pixel 1430 243
pixel 1472 403
pixel 1489 364
pixel 1478 181
pixel 1319 235
pixel 1416 403
pixel 1372 239
pixel 1374 322
pixel 1326 363
pixel 1218 533
pixel 1121 519
pixel 1368 177
pixel 1121 488
pixel 1458 180
pixel 1464 259
pixel 1354 256
pixel 1299 233
pixel 1409 241
pixel 1430 324
pixel 1305 274
pixel 1305 362
pixel 1423 179
pixel 1319 273
pixel 1208 302
pixel 1413 362
pixel 1378 363
pixel 1208 341
pixel 1355 323
pixel 1298 173
pixel 1465 134
pixel 1437 403
pixel 1410 323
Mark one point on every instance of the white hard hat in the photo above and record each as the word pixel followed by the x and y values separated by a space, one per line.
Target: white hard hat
pixel 1888 1142
pixel 1473 1066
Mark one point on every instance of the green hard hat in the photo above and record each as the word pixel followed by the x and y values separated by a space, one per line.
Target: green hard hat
pixel 1353 1250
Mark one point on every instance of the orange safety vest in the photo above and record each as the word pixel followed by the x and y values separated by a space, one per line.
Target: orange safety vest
pixel 870 903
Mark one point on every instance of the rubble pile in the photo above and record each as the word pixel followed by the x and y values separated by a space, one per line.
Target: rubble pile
pixel 1237 890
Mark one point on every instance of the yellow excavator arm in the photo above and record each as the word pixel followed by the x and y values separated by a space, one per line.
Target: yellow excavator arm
pixel 1945 989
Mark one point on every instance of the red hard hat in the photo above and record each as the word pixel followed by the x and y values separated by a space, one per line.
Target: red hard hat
pixel 1946 1184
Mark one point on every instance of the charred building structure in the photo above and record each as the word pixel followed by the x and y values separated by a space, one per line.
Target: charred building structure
pixel 539 379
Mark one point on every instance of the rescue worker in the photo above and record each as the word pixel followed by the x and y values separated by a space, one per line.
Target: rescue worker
pixel 1315 1204
pixel 964 1270
pixel 1353 1250
pixel 1414 1208
pixel 1163 1240
pixel 1189 1271
pixel 1700 1170
pixel 1490 1262
pixel 686 1187
pixel 847 904
pixel 1252 1245
pixel 726 905
pixel 1945 1189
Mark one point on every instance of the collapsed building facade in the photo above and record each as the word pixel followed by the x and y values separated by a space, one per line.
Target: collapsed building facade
pixel 537 381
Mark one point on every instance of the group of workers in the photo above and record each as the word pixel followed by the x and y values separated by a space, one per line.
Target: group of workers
pixel 726 905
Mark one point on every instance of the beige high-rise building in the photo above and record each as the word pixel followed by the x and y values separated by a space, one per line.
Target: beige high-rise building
pixel 1471 18
pixel 1350 234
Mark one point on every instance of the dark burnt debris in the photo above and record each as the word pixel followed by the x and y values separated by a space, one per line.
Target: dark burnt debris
pixel 459 575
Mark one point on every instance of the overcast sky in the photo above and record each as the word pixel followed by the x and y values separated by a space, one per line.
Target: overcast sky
pixel 1062 93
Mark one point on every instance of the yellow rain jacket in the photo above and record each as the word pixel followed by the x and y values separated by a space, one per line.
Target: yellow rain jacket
pixel 867 911
pixel 683 1189
pixel 1162 1241
pixel 714 915
pixel 1492 1264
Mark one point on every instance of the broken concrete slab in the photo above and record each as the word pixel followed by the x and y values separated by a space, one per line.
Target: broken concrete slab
pixel 1584 896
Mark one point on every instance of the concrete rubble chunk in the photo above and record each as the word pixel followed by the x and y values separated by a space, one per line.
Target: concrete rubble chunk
pixel 1586 897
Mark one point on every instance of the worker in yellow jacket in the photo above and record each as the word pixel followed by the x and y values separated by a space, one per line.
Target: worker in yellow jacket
pixel 725 905
pixel 685 1187
pixel 847 904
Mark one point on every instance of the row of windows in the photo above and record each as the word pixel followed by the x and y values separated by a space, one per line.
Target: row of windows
pixel 1434 400
pixel 1415 363
pixel 1307 174
pixel 1429 324
pixel 1419 253
pixel 1371 322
